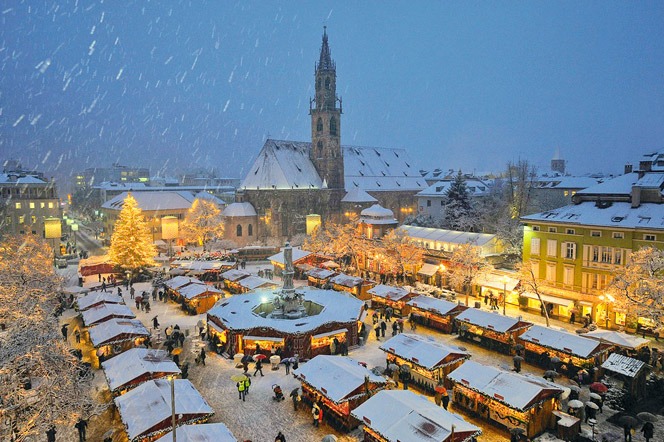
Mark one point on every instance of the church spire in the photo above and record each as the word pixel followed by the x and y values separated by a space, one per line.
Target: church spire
pixel 325 61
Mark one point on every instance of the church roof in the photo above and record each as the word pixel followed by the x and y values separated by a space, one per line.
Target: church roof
pixel 357 195
pixel 286 165
pixel 325 61
pixel 152 201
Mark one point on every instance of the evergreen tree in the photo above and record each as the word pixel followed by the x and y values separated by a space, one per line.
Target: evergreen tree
pixel 203 222
pixel 459 213
pixel 131 242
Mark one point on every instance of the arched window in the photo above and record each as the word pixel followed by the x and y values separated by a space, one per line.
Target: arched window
pixel 319 146
pixel 327 83
pixel 333 126
pixel 319 125
pixel 238 230
pixel 250 230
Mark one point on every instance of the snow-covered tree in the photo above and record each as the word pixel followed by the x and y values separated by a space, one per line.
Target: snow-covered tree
pixel 638 286
pixel 520 178
pixel 202 223
pixel 530 283
pixel 398 252
pixel 131 242
pixel 466 266
pixel 458 210
pixel 424 220
pixel 41 383
pixel 340 241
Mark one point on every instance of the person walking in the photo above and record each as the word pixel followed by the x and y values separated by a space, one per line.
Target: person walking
pixel 50 434
pixel 395 328
pixel 202 356
pixel 446 398
pixel 64 331
pixel 132 291
pixel 241 390
pixel 77 336
pixel 377 330
pixel 287 365
pixel 316 414
pixel 648 431
pixel 295 396
pixel 155 322
pixel 81 426
pixel 383 327
pixel 280 437
pixel 103 286
pixel 258 367
pixel 247 384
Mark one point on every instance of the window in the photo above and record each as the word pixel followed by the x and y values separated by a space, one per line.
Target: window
pixel 595 233
pixel 21 219
pixel 606 255
pixel 595 254
pixel 428 203
pixel 18 205
pixel 333 126
pixel 566 193
pixel 442 203
pixel 568 275
pixel 33 219
pixel 570 231
pixel 535 246
pixel 536 228
pixel 617 257
pixel 649 237
pixel 551 247
pixel 250 230
pixel 569 250
pixel 319 125
pixel 238 230
pixel 42 205
pixel 32 205
pixel 50 205
pixel 319 145
pixel 618 235
pixel 551 272
pixel 552 230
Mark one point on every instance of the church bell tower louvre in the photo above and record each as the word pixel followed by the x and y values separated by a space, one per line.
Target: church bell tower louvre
pixel 326 153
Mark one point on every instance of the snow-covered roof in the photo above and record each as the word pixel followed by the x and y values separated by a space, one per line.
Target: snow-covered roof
pixel 401 415
pixel 567 182
pixel 20 179
pixel 515 390
pixel 389 292
pixel 253 282
pixel 377 211
pixel 103 312
pixel 193 290
pixel 207 196
pixel 380 169
pixel 152 201
pixel 336 377
pixel 203 266
pixel 436 305
pixel 116 330
pixel 298 254
pixel 239 209
pixel 181 281
pixel 624 365
pixel 147 408
pixel 475 187
pixel 620 185
pixel 423 351
pixel 346 280
pixel 235 275
pixel 319 273
pixel 446 236
pixel 200 433
pixel 237 312
pixel 617 338
pixel 498 282
pixel 563 341
pixel 87 301
pixel 357 195
pixel 491 320
pixel 135 363
pixel 616 215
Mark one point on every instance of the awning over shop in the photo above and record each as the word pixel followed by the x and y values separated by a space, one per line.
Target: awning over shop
pixel 550 299
pixel 263 338
pixel 498 282
pixel 331 333
pixel 428 269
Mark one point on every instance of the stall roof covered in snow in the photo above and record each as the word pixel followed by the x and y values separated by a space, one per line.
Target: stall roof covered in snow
pixel 147 408
pixel 336 377
pixel 423 351
pixel 515 390
pixel 401 415
pixel 617 338
pixel 234 275
pixel 389 292
pixel 497 282
pixel 492 321
pixel 181 281
pixel 319 273
pixel 204 266
pixel 135 363
pixel 117 330
pixel 564 341
pixel 624 365
pixel 253 282
pixel 298 254
pixel 200 433
pixel 439 306
pixel 346 280
pixel 103 312
pixel 94 298
pixel 152 201
pixel 237 312
pixel 446 236
pixel 193 290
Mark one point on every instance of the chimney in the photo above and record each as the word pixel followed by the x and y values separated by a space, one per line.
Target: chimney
pixel 628 168
pixel 636 196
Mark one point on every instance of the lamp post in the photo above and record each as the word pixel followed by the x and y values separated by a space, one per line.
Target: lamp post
pixel 504 281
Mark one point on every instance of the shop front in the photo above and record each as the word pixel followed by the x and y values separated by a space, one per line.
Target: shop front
pixel 323 343
pixel 354 285
pixel 318 277
pixel 490 330
pixel 384 296
pixel 434 312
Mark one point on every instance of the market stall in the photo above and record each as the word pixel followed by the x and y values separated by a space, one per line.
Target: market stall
pixel 250 283
pixel 176 283
pixel 318 277
pixel 543 343
pixel 136 366
pixel 104 312
pixel 430 361
pixel 619 339
pixel 200 433
pixel 116 336
pixel 383 296
pixel 632 372
pixel 338 385
pixel 146 410
pixel 401 415
pixel 435 312
pixel 504 398
pixel 95 265
pixel 491 330
pixel 198 298
pixel 96 298
pixel 232 277
pixel 354 285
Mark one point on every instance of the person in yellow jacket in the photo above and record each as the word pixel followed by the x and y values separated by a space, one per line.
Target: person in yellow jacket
pixel 241 389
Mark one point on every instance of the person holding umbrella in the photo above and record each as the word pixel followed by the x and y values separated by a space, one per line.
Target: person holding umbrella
pixel 517 363
pixel 648 431
pixel 295 396
pixel 259 367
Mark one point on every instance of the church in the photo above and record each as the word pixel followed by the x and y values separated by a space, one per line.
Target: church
pixel 292 179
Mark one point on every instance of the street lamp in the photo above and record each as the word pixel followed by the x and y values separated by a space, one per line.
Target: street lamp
pixel 53 230
pixel 607 299
pixel 169 231
pixel 504 281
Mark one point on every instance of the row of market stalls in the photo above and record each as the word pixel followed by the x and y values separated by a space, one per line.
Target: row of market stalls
pixel 195 295
pixel 208 269
pixel 240 281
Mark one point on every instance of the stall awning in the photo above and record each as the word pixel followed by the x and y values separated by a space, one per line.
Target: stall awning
pixel 331 333
pixel 263 338
pixel 497 282
pixel 428 269
pixel 550 299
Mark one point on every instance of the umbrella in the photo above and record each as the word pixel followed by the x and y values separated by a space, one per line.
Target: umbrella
pixel 405 368
pixel 392 367
pixel 555 359
pixel 294 391
pixel 592 405
pixel 628 421
pixel 518 358
pixel 647 417
pixel 177 351
pixel 329 438
pixel 598 387
pixel 575 388
pixel 575 404
pixel 440 389
pixel 519 347
pixel 550 374
pixel 595 396
pixel 238 377
pixel 259 357
pixel 138 299
pixel 462 348
pixel 565 394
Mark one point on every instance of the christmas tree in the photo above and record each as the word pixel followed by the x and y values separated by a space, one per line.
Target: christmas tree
pixel 131 242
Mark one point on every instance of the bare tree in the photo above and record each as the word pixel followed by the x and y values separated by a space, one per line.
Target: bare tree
pixel 520 181
pixel 467 265
pixel 530 282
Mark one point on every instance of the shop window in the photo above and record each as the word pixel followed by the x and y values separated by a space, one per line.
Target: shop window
pixel 42 205
pixel 18 205
pixel 50 205
pixel 32 205
pixel 238 230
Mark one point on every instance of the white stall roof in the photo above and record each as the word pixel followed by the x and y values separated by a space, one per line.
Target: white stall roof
pixel 200 433
pixel 192 290
pixel 298 254
pixel 103 312
pixel 562 341
pixel 234 275
pixel 93 298
pixel 149 404
pixel 437 305
pixel 181 281
pixel 423 351
pixel 491 320
pixel 346 280
pixel 336 376
pixel 517 391
pixel 202 266
pixel 319 273
pixel 134 363
pixel 624 365
pixel 253 282
pixel 389 292
pixel 498 282
pixel 116 330
pixel 428 269
pixel 401 415
pixel 617 338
